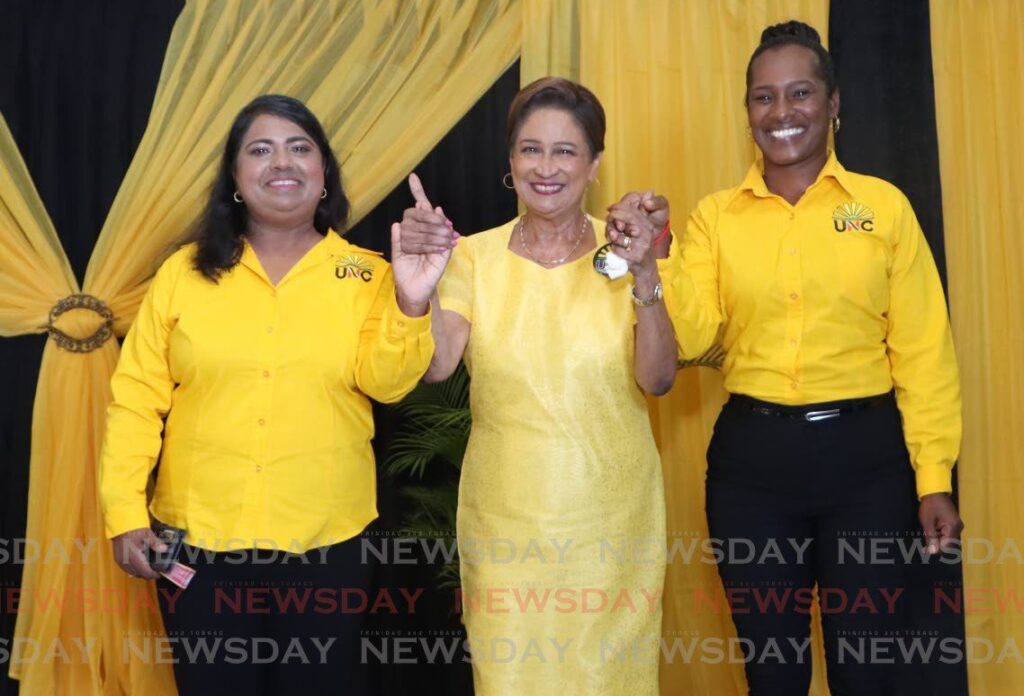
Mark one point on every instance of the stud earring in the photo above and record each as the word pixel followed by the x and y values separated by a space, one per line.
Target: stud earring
pixel 835 124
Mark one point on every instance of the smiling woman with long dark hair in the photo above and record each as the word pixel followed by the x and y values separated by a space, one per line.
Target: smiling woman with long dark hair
pixel 248 374
pixel 843 420
pixel 220 232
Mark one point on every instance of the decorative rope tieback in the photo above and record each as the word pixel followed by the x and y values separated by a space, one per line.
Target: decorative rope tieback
pixel 81 345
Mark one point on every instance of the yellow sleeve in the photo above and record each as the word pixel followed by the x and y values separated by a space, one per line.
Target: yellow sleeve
pixel 456 287
pixel 690 281
pixel 394 350
pixel 920 348
pixel 141 389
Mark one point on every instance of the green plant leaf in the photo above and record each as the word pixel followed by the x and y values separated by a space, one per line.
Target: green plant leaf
pixel 434 429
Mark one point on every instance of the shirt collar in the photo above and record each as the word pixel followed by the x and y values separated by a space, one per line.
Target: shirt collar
pixel 753 182
pixel 331 246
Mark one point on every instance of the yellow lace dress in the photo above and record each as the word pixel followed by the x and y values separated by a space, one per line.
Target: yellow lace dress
pixel 561 519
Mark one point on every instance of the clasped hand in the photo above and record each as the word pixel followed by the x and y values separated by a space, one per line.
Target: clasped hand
pixel 421 245
pixel 633 225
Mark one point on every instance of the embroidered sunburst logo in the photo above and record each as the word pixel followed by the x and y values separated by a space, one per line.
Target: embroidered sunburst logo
pixel 353 267
pixel 853 216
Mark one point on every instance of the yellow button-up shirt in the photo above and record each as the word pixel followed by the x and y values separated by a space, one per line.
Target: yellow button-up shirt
pixel 266 394
pixel 833 298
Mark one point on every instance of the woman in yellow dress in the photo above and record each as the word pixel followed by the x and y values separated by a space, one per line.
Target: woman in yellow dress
pixel 561 518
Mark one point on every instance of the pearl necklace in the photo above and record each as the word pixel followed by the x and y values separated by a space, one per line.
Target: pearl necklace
pixel 552 262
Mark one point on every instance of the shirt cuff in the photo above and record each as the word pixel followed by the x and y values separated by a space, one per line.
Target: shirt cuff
pixel 933 478
pixel 125 518
pixel 400 327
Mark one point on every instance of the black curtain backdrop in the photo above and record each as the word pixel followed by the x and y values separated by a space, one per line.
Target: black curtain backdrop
pixel 883 57
pixel 76 84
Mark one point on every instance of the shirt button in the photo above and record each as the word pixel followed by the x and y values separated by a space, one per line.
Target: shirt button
pixel 266 373
pixel 792 251
pixel 401 323
pixel 261 421
pixel 792 341
pixel 270 329
pixel 793 385
pixel 793 296
pixel 258 468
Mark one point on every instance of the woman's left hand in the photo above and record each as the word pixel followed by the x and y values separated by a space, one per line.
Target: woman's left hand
pixel 416 274
pixel 940 522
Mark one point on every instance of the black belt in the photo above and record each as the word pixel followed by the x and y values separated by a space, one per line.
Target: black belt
pixel 809 412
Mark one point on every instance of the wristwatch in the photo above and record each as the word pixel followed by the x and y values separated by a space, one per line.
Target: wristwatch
pixel 646 301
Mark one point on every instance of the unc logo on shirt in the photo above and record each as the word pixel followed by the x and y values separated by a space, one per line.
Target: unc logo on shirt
pixel 853 216
pixel 353 267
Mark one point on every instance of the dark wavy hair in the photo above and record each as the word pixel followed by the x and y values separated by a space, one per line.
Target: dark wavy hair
pixel 794 33
pixel 558 93
pixel 218 233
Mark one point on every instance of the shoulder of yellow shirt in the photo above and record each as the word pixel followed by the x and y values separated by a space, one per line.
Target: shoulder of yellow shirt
pixel 861 186
pixel 345 246
pixel 181 259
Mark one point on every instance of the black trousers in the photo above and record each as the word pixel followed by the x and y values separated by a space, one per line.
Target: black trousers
pixel 798 504
pixel 264 623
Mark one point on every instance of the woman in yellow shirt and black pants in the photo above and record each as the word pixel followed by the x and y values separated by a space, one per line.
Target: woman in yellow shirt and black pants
pixel 844 406
pixel 248 374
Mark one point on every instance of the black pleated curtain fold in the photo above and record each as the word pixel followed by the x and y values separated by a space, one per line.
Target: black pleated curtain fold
pixel 883 58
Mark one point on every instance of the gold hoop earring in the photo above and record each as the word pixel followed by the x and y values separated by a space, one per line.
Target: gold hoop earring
pixel 237 197
pixel 835 124
pixel 324 194
pixel 505 179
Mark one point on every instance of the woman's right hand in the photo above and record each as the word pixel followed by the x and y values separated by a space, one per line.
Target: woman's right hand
pixel 130 552
pixel 421 245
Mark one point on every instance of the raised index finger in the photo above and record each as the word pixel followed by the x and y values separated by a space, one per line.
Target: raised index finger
pixel 418 193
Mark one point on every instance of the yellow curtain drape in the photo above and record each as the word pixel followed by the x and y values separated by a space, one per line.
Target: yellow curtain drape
pixel 73 566
pixel 977 55
pixel 671 77
pixel 388 79
pixel 33 266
